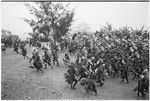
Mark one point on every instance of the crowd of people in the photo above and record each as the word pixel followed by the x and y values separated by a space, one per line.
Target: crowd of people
pixel 94 65
pixel 91 65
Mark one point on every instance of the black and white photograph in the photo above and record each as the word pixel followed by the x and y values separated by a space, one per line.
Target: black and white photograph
pixel 74 50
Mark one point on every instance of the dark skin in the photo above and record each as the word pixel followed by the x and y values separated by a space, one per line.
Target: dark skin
pixel 89 86
pixel 124 74
pixel 142 85
pixel 72 73
pixel 24 51
pixel 37 64
pixel 16 47
pixel 82 73
pixel 47 59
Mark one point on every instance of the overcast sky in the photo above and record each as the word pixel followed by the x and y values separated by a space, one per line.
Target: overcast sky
pixel 94 14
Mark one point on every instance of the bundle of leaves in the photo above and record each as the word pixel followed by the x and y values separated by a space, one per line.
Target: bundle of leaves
pixel 118 45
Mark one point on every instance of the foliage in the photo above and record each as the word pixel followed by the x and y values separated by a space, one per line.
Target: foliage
pixel 51 18
pixel 7 38
pixel 123 44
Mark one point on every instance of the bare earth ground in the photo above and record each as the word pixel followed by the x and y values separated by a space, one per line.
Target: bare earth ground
pixel 19 82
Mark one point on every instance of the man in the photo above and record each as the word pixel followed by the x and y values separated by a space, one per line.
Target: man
pixel 66 59
pixel 88 85
pixel 143 84
pixel 24 51
pixel 100 76
pixel 82 72
pixel 55 57
pixel 16 45
pixel 124 73
pixel 37 62
pixel 146 79
pixel 70 78
pixel 35 56
pixel 47 59
pixel 3 48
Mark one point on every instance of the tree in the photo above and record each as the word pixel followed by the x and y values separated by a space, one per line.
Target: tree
pixel 51 19
pixel 125 43
pixel 5 33
pixel 8 38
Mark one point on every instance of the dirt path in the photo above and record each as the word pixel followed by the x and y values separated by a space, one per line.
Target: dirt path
pixel 21 82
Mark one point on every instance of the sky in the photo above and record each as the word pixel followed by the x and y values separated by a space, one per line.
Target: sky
pixel 93 14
